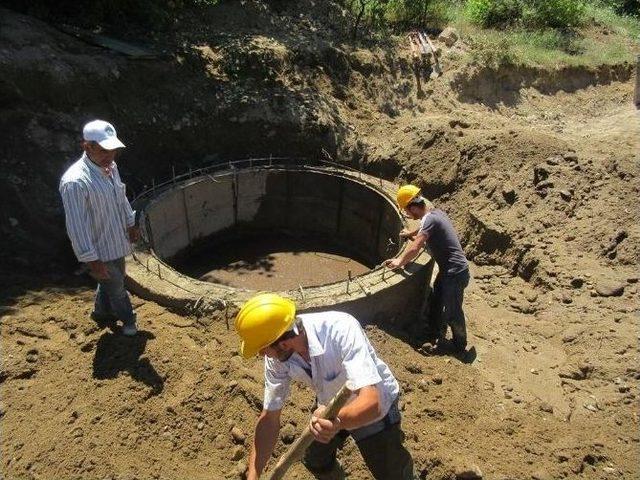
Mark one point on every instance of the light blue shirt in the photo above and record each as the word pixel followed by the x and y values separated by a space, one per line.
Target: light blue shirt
pixel 97 211
pixel 340 353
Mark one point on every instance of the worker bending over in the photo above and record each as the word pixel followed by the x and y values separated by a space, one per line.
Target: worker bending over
pixel 323 350
pixel 437 233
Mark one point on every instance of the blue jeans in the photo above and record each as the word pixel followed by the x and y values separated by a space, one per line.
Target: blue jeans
pixel 448 296
pixel 112 297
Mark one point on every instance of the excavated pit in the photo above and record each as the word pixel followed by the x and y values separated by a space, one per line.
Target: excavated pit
pixel 315 233
pixel 272 261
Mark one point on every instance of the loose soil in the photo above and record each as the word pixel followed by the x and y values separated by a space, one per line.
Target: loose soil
pixel 538 170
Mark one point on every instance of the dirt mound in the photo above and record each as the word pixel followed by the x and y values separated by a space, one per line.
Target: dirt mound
pixel 492 86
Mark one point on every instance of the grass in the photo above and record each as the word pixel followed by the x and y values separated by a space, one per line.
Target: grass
pixel 587 46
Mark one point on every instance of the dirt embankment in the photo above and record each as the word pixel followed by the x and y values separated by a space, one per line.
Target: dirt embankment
pixel 538 170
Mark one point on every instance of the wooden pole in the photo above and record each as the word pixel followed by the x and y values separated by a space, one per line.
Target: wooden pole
pixel 297 449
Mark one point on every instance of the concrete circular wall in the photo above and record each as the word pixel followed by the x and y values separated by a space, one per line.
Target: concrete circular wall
pixel 343 206
pixel 311 202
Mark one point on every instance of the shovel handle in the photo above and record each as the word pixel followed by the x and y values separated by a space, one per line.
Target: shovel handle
pixel 297 448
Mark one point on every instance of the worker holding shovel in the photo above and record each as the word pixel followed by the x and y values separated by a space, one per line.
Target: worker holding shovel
pixel 325 351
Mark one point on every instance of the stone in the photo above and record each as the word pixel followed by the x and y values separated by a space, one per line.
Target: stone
pixel 509 194
pixel 577 282
pixel 449 36
pixel 577 372
pixel 237 453
pixel 566 195
pixel 546 407
pixel 541 475
pixel 566 298
pixel 238 435
pixel 437 379
pixel 468 472
pixel 200 426
pixel 13 222
pixel 606 288
pixel 32 356
pixel 540 173
pixel 413 368
pixel 288 434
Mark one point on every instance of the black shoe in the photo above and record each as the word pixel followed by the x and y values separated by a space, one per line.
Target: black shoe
pixel 103 319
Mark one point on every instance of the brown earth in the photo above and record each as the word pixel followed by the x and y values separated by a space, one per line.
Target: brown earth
pixel 271 262
pixel 539 171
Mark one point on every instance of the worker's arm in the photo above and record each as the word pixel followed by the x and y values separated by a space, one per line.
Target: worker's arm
pixel 409 253
pixel 410 234
pixel 362 378
pixel 76 210
pixel 364 409
pixel 264 441
pixel 133 231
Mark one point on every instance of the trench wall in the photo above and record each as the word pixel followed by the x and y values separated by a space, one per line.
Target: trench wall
pixel 315 203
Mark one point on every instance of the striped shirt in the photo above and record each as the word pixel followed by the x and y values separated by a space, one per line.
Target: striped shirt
pixel 97 211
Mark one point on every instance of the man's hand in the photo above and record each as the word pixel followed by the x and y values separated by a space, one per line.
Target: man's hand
pixel 134 233
pixel 406 233
pixel 322 429
pixel 392 263
pixel 98 270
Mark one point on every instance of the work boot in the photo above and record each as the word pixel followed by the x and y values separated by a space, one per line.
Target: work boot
pixel 336 473
pixel 103 319
pixel 129 328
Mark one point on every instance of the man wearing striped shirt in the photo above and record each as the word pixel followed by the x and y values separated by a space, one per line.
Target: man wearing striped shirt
pixel 100 221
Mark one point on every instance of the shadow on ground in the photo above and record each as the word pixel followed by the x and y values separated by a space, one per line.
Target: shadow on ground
pixel 117 353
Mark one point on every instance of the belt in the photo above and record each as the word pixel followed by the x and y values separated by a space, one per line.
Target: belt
pixel 391 418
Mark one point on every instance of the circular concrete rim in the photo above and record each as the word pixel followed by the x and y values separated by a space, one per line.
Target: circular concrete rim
pixel 151 278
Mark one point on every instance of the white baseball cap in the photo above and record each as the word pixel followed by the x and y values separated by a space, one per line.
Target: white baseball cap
pixel 103 133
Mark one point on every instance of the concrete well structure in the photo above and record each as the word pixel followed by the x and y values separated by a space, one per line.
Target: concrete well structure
pixel 320 199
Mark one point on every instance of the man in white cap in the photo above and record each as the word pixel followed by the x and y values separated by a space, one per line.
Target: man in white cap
pixel 100 221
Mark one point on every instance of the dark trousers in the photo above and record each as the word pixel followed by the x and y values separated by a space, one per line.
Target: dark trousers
pixel 448 295
pixel 383 452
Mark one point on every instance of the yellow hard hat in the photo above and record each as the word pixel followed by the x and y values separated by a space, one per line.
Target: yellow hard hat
pixel 262 320
pixel 406 193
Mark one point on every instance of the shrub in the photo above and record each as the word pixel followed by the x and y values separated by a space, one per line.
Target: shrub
pixel 402 14
pixel 624 7
pixel 554 13
pixel 532 13
pixel 494 13
pixel 418 13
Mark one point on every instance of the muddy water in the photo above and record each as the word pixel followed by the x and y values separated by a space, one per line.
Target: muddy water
pixel 273 263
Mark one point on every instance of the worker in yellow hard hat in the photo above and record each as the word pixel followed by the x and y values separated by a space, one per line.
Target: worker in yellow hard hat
pixel 325 351
pixel 436 232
